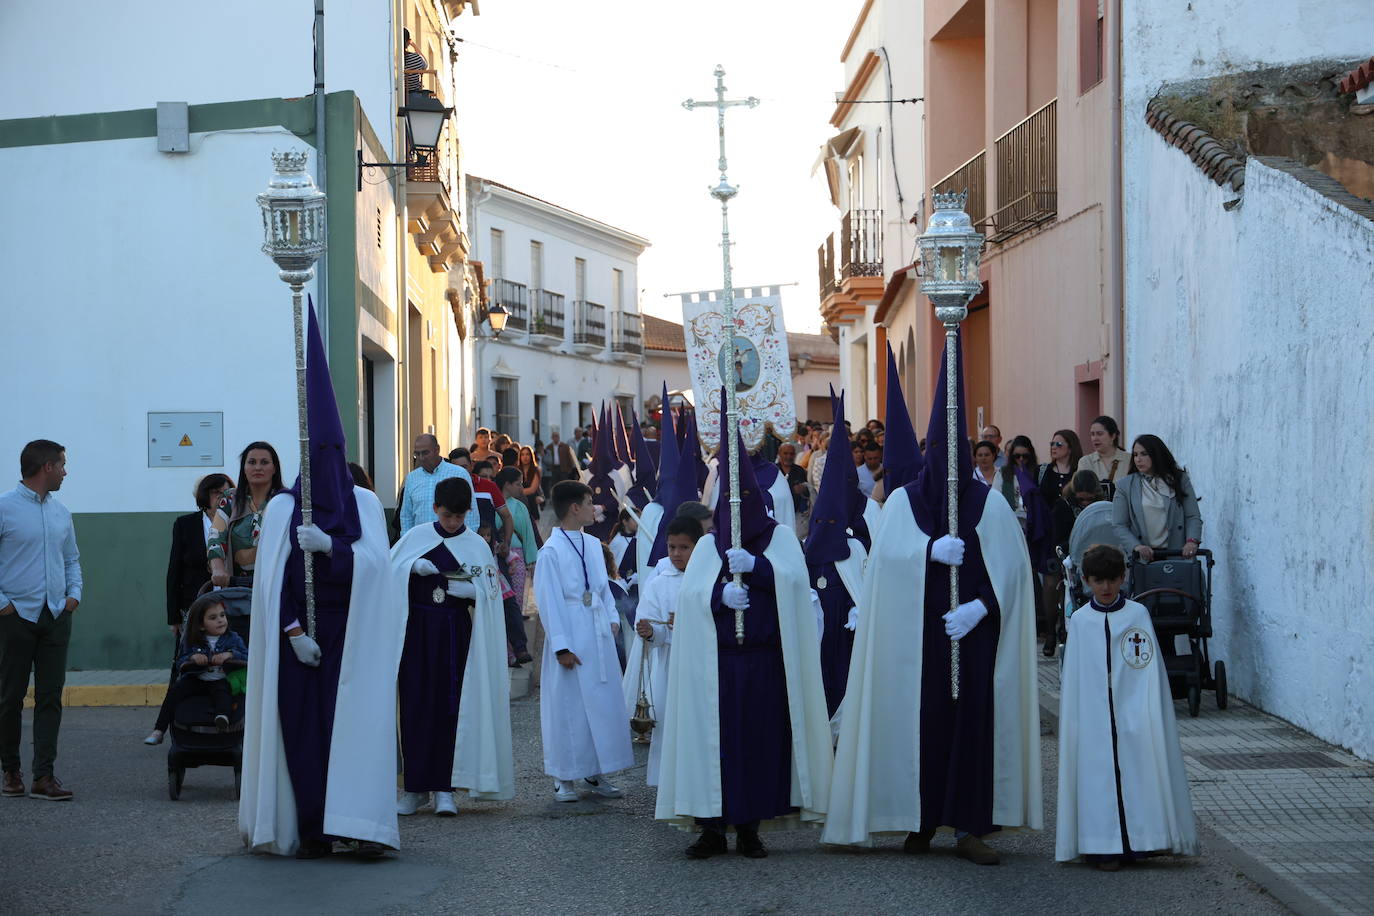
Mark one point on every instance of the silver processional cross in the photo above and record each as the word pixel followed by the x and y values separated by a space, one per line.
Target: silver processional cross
pixel 723 192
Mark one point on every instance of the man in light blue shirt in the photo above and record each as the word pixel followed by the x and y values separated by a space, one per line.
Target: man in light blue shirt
pixel 417 503
pixel 40 587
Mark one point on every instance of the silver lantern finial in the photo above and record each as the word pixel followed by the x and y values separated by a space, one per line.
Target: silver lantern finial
pixel 293 225
pixel 950 254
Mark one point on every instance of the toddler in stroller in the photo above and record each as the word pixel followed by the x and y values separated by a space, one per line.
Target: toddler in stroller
pixel 206 715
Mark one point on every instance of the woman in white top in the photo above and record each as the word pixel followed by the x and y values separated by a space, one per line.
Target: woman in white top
pixel 1107 459
pixel 1155 506
pixel 985 464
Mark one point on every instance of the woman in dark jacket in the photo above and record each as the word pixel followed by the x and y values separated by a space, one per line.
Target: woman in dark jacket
pixel 188 567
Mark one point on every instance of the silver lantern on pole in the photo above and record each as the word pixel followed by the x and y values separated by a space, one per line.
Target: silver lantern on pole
pixel 293 227
pixel 723 192
pixel 950 253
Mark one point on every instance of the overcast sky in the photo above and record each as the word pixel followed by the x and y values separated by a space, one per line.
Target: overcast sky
pixel 581 104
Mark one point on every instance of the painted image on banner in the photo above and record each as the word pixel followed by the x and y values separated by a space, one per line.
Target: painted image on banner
pixel 746 364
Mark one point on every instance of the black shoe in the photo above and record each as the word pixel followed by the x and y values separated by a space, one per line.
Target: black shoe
pixel 367 849
pixel 1051 646
pixel 918 844
pixel 524 658
pixel 748 844
pixel 314 849
pixel 710 843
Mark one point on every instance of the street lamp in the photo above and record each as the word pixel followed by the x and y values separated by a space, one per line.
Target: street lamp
pixel 950 252
pixel 425 116
pixel 293 224
pixel 496 316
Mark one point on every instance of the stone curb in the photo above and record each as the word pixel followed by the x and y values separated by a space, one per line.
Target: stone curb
pixel 108 695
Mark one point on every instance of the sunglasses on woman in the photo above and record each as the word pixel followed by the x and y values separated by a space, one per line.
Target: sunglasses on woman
pixel 1056 445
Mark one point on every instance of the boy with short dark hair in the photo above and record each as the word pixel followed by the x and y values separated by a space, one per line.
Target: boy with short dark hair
pixel 582 713
pixel 1123 791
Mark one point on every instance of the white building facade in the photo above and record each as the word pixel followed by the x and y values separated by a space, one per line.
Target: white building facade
pixel 1248 325
pixel 574 336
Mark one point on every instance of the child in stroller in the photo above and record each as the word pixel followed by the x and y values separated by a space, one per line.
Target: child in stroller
pixel 209 651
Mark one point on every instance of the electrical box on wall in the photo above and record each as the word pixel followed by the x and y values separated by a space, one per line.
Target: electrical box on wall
pixel 185 440
pixel 173 127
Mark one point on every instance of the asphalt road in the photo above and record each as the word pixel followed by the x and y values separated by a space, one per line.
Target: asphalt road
pixel 123 847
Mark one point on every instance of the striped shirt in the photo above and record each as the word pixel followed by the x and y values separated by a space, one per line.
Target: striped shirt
pixel 414 61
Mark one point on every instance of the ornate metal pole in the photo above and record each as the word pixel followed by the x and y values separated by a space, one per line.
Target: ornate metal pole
pixel 294 227
pixel 950 254
pixel 723 192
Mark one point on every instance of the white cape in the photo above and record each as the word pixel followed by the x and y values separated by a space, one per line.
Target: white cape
pixel 360 801
pixel 649 521
pixel 482 758
pixel 1154 784
pixel 876 786
pixel 655 604
pixel 689 776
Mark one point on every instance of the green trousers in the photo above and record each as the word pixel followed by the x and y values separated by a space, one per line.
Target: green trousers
pixel 40 648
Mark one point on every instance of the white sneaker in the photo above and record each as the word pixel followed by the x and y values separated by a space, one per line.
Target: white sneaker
pixel 444 804
pixel 603 787
pixel 411 802
pixel 563 791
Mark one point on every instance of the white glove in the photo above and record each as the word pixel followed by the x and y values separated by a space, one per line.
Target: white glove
pixel 306 649
pixel 965 617
pixel 311 538
pixel 740 560
pixel 853 622
pixel 735 597
pixel 460 589
pixel 423 567
pixel 948 550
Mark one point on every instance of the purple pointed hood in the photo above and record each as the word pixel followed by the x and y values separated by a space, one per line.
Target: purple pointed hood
pixel 838 512
pixel 928 493
pixel 756 527
pixel 331 482
pixel 603 486
pixel 764 470
pixel 620 440
pixel 902 460
pixel 691 456
pixel 668 450
pixel 645 484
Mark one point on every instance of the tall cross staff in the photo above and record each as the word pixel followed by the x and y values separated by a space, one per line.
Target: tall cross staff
pixel 723 192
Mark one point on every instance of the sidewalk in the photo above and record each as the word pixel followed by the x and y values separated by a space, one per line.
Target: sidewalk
pixel 1291 812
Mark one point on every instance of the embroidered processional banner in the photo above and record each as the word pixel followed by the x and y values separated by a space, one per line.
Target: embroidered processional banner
pixel 763 377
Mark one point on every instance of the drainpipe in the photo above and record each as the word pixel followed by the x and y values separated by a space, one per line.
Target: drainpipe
pixel 322 267
pixel 1118 358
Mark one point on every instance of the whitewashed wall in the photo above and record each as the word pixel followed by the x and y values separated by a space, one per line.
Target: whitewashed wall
pixel 1246 348
pixel 138 288
pixel 1248 334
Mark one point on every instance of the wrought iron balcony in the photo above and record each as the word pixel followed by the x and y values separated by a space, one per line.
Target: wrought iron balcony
pixel 547 317
pixel 971 177
pixel 628 333
pixel 514 298
pixel 825 258
pixel 861 244
pixel 589 325
pixel 1027 177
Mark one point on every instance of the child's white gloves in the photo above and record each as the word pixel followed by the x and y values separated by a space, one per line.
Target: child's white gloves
pixel 306 649
pixel 948 550
pixel 735 597
pixel 965 617
pixel 460 589
pixel 423 567
pixel 853 622
pixel 311 538
pixel 740 560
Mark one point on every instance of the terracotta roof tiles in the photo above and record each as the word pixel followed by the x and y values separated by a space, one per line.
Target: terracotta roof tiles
pixel 1215 160
pixel 1358 78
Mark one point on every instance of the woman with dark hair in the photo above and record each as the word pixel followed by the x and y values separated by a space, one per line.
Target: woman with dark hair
pixel 360 477
pixel 234 546
pixel 1082 490
pixel 985 463
pixel 1107 459
pixel 1065 454
pixel 531 480
pixel 188 567
pixel 1155 506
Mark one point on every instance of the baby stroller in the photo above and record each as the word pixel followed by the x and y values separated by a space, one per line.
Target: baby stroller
pixel 1177 591
pixel 1093 526
pixel 195 741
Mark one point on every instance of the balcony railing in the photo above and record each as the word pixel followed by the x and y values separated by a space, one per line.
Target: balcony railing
pixel 972 177
pixel 825 257
pixel 628 336
pixel 589 324
pixel 1027 181
pixel 514 298
pixel 861 244
pixel 548 313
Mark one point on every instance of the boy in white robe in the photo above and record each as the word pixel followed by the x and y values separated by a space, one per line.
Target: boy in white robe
pixel 654 625
pixel 582 712
pixel 1123 791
